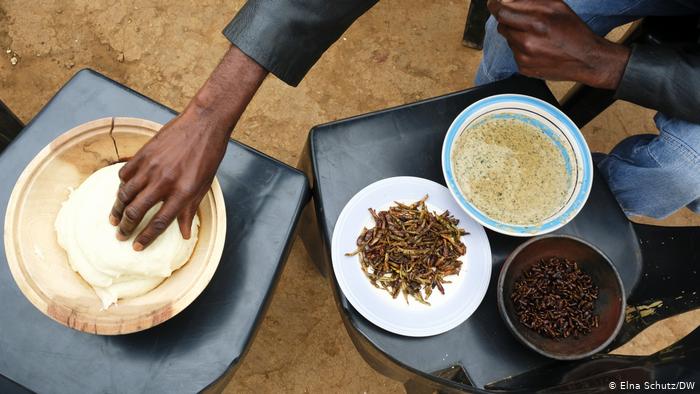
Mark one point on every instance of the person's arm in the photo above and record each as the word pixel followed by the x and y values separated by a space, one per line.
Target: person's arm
pixel 178 165
pixel 664 79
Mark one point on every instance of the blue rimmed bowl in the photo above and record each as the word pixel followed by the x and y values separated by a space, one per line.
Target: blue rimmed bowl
pixel 556 126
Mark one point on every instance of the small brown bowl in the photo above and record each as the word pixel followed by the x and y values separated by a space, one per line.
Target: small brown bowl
pixel 610 306
pixel 40 266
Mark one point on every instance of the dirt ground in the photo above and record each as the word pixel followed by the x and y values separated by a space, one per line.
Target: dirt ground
pixel 400 52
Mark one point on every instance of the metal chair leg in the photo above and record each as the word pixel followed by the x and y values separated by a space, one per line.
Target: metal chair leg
pixel 10 126
pixel 583 103
pixel 475 27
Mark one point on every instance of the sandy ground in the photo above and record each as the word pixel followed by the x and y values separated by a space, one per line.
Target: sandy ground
pixel 399 52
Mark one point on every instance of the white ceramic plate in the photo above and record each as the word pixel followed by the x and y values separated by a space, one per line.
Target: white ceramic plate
pixel 447 311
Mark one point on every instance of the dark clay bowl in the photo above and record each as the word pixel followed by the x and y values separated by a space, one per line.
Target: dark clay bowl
pixel 610 305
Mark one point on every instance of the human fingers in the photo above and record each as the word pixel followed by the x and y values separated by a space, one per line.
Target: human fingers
pixel 494 7
pixel 187 216
pixel 135 211
pixel 166 214
pixel 184 221
pixel 519 19
pixel 126 193
pixel 130 169
pixel 519 42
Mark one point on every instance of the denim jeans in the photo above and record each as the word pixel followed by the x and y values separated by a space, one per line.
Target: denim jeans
pixel 650 175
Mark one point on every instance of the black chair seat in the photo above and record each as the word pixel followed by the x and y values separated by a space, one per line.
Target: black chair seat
pixel 344 156
pixel 201 346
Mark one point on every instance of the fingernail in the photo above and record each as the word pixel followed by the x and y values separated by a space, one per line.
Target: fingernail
pixel 138 246
pixel 121 236
pixel 113 220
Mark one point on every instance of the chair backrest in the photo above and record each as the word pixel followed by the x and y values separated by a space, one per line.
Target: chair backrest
pixel 686 30
pixel 676 363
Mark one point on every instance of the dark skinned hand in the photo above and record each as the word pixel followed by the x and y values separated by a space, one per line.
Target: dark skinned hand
pixel 178 165
pixel 549 41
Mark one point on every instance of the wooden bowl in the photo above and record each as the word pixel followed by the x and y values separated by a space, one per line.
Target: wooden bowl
pixel 610 306
pixel 40 266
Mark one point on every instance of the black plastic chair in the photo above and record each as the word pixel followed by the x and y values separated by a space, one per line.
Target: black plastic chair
pixel 660 266
pixel 200 348
pixel 668 286
pixel 675 364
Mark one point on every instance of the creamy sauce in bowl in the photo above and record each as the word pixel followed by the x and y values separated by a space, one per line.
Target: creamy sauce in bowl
pixel 512 171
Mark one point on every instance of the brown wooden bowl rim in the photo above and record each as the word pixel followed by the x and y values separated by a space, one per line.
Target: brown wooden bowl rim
pixel 124 326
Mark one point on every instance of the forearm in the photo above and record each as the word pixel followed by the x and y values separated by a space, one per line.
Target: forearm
pixel 225 95
pixel 607 62
pixel 178 165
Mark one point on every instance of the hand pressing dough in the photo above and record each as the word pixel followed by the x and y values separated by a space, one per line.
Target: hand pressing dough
pixel 112 267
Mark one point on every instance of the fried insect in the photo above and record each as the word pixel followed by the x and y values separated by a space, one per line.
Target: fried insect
pixel 411 250
pixel 556 299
